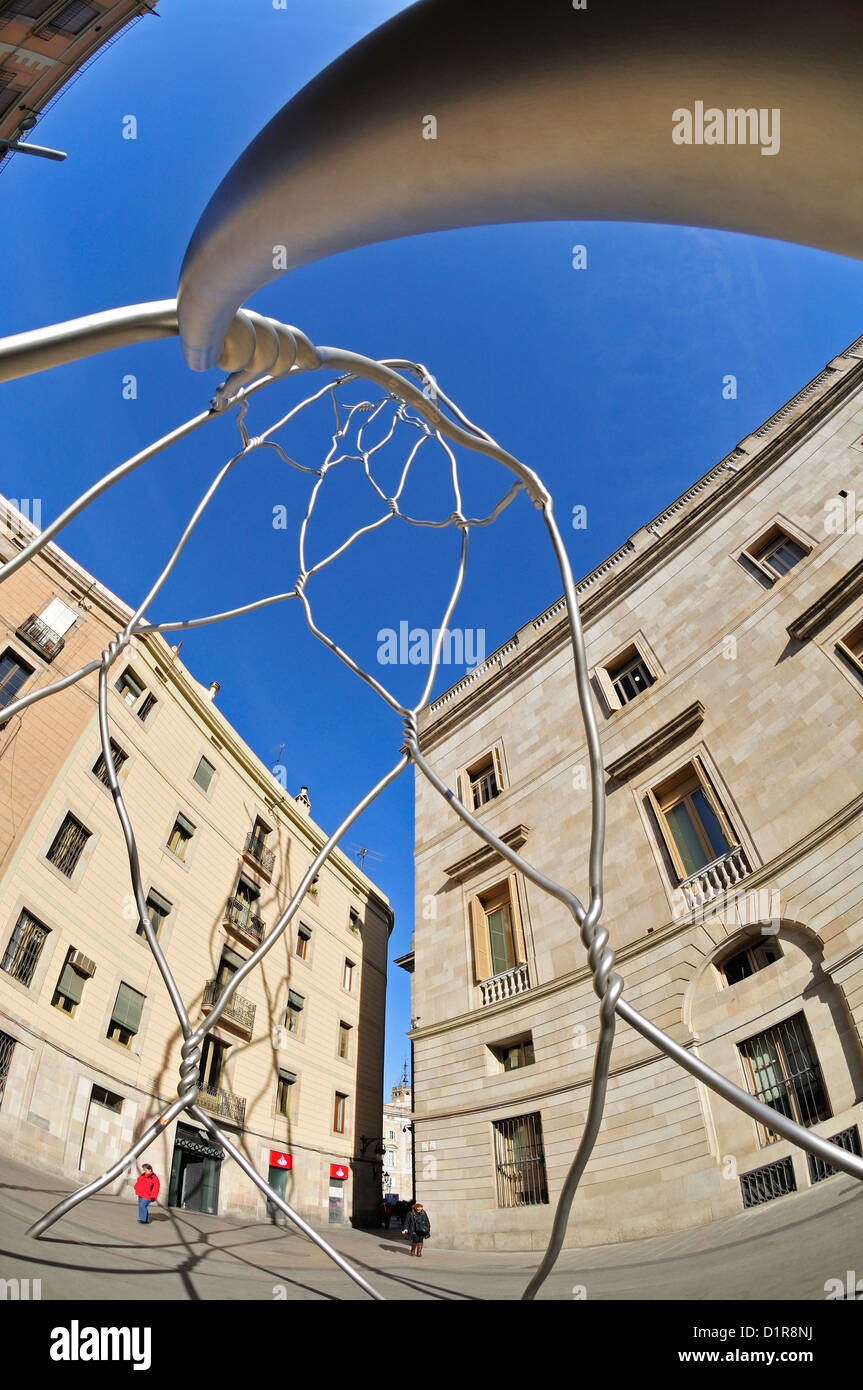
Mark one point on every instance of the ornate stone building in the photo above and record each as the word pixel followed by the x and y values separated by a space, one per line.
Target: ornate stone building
pixel 89 1044
pixel 726 644
pixel 397 1137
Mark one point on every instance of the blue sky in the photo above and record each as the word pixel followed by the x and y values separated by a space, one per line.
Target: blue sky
pixel 607 381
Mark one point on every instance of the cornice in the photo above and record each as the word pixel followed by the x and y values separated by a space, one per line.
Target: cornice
pixel 657 743
pixel 828 605
pixel 486 855
pixel 648 548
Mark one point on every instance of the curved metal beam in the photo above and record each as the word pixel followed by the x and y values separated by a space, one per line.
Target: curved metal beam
pixel 542 112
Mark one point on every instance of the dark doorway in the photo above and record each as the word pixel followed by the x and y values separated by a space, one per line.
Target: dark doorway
pixel 195 1172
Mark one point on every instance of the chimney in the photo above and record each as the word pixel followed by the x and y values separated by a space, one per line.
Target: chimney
pixel 303 800
pixel 213 689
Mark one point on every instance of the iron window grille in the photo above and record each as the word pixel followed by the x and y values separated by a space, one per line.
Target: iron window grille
pixel 68 845
pixel 24 948
pixel 819 1168
pixel 223 1104
pixel 256 848
pixel 239 913
pixel 520 1162
pixel 783 1072
pixel 238 1010
pixel 42 638
pixel 765 1184
pixel 118 757
pixel 7 1047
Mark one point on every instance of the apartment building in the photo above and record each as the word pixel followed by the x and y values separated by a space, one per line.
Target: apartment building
pixel 89 1042
pixel 725 639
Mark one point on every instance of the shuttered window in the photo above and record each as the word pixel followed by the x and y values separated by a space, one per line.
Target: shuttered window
pixel 691 820
pixel 126 1017
pixel 497 930
pixel 70 987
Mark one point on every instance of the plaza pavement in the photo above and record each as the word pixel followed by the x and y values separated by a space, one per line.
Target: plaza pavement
pixel 787 1250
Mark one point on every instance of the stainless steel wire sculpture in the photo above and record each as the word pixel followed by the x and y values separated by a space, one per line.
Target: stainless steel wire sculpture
pixel 409 399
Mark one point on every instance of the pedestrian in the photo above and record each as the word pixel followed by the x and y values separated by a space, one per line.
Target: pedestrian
pixel 385 1215
pixel 146 1190
pixel 418 1227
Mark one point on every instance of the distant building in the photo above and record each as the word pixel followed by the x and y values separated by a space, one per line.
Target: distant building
pixel 725 641
pixel 398 1142
pixel 89 1043
pixel 44 44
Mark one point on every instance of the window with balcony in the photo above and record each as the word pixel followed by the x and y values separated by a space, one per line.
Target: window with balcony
pixel 340 1110
pixel 304 937
pixel 14 673
pixel 211 1072
pixel 777 550
pixel 499 953
pixel 520 1161
pixel 284 1087
pixel 483 780
pixel 204 774
pixel 45 632
pixel 348 975
pixel 229 964
pixel 181 837
pixel 68 845
pixel 126 1015
pixel 118 758
pixel 70 986
pixel 512 1055
pixel 695 828
pixel 754 957
pixel 24 948
pixel 31 9
pixel 344 1041
pixel 158 909
pixel 782 1070
pixel 73 18
pixel 294 1012
pixel 257 847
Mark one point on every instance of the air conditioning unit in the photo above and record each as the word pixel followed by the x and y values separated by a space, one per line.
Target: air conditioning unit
pixel 82 963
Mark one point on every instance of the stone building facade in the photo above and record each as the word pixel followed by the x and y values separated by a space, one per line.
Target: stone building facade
pixel 725 640
pixel 397 1138
pixel 89 1043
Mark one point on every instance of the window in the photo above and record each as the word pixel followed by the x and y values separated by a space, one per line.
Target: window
pixel 514 1054
pixel 126 1016
pixel 70 986
pixel 31 9
pixel 693 825
pixel 751 959
pixel 498 937
pixel 850 646
pixel 24 948
pixel 314 887
pixel 776 551
pixel 7 1047
pixel 118 757
pixel 68 844
pixel 204 774
pixel 293 1012
pixel 340 1112
pixel 344 1040
pixel 180 837
pixel 129 687
pixel 13 674
pixel 391 1134
pixel 354 923
pixel 212 1068
pixel 99 1096
pixel 157 910
pixel 348 976
pixel 484 780
pixel 782 1071
pixel 520 1162
pixel 630 676
pixel 228 967
pixel 304 936
pixel 145 706
pixel 287 1080
pixel 73 18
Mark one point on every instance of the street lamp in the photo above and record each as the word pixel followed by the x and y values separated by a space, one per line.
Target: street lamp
pixel 17 146
pixel 380 1147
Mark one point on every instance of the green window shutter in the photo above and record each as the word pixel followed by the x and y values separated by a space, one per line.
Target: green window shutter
pixel 127 1010
pixel 287 1076
pixel 295 1001
pixel 231 959
pixel 71 984
pixel 156 900
pixel 185 825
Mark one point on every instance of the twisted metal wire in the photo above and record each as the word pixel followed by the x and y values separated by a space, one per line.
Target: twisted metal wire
pixel 437 419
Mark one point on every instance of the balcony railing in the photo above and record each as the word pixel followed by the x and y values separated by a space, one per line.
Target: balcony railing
pixel 256 848
pixel 505 985
pixel 221 1103
pixel 40 637
pixel 239 915
pixel 715 878
pixel 239 1011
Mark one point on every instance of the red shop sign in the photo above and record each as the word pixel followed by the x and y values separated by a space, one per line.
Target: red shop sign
pixel 279 1160
pixel 338 1170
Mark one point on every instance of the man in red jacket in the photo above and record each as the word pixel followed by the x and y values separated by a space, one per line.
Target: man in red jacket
pixel 146 1190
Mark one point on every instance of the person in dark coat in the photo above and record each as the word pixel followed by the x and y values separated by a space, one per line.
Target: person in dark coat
pixel 146 1190
pixel 418 1227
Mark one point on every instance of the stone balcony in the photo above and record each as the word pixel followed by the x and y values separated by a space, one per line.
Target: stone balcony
pixel 505 985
